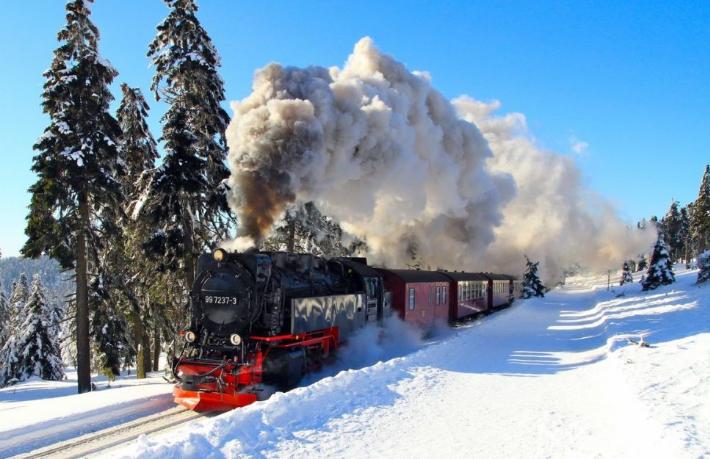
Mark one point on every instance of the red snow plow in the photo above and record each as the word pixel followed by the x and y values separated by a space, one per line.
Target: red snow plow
pixel 277 361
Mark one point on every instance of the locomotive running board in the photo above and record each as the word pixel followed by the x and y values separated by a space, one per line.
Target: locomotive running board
pixel 212 401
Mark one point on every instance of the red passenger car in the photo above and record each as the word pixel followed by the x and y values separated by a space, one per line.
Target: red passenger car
pixel 501 290
pixel 468 295
pixel 420 297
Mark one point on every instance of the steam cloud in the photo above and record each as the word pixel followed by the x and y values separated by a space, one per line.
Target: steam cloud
pixel 553 217
pixel 377 148
pixel 385 154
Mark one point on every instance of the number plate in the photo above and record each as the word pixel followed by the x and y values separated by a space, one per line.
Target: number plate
pixel 215 299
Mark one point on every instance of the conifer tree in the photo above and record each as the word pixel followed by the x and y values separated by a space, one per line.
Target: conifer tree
pixel 37 349
pixel 20 292
pixel 19 295
pixel 684 234
pixel 626 274
pixel 187 198
pixel 642 263
pixel 5 317
pixel 660 269
pixel 9 359
pixel 139 149
pixel 671 225
pixel 704 267
pixel 55 316
pixel 531 282
pixel 304 229
pixel 75 195
pixel 109 333
pixel 700 218
pixel 108 326
pixel 139 153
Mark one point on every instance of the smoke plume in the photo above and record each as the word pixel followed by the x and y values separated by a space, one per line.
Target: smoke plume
pixel 553 218
pixel 376 147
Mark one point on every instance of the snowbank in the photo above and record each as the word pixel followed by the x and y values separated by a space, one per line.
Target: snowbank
pixel 37 413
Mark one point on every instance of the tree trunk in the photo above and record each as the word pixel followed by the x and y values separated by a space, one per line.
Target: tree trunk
pixel 138 338
pixel 291 241
pixel 189 253
pixel 83 352
pixel 156 348
pixel 146 350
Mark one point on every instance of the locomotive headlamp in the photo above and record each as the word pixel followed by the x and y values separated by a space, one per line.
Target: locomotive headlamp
pixel 219 254
pixel 190 336
pixel 235 339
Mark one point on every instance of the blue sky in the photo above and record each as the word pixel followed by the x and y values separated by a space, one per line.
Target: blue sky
pixel 632 79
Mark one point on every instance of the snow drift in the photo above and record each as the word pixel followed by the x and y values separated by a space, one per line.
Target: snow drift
pixel 379 149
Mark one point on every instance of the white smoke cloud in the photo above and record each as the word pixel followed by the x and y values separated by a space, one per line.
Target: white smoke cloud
pixel 385 154
pixel 377 148
pixel 553 218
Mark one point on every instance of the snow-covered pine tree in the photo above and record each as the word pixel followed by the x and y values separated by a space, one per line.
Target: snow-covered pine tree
pixel 531 281
pixel 4 315
pixel 700 218
pixel 6 332
pixel 9 359
pixel 76 193
pixel 685 235
pixel 632 265
pixel 660 269
pixel 626 274
pixel 642 263
pixel 138 148
pixel 37 349
pixel 187 199
pixel 19 295
pixel 55 315
pixel 672 231
pixel 108 327
pixel 139 153
pixel 704 267
pixel 305 229
pixel 20 292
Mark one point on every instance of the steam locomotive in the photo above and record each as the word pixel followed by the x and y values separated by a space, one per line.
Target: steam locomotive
pixel 261 319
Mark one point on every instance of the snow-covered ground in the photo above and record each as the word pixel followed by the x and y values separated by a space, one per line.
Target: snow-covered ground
pixel 555 377
pixel 37 413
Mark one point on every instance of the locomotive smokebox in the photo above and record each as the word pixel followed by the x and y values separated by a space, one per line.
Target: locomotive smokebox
pixel 225 302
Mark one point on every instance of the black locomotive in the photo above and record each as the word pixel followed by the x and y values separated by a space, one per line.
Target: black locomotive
pixel 268 317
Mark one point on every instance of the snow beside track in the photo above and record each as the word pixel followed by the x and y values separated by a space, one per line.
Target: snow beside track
pixel 553 377
pixel 37 413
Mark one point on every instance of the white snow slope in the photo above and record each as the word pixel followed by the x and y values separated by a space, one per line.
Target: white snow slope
pixel 38 413
pixel 552 377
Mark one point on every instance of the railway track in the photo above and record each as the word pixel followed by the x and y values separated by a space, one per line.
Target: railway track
pixel 105 439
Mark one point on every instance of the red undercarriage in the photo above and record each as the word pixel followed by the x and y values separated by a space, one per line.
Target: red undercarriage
pixel 228 384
